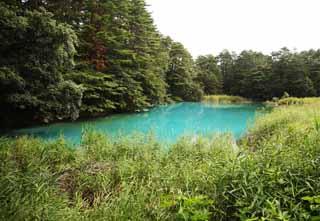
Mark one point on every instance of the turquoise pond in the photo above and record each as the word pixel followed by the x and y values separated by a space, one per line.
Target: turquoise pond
pixel 167 122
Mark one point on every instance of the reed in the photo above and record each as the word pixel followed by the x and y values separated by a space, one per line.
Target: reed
pixel 272 175
pixel 226 99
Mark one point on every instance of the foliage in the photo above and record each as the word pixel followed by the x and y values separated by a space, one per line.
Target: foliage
pixel 188 208
pixel 209 75
pixel 31 67
pixel 314 206
pixel 99 91
pixel 180 75
pixel 119 38
pixel 262 77
pixel 121 63
pixel 225 99
pixel 272 175
pixel 294 101
pixel 226 63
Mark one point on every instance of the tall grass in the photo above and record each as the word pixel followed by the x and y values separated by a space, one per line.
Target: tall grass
pixel 225 99
pixel 273 175
pixel 294 101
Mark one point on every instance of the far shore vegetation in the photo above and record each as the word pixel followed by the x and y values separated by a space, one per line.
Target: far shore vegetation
pixel 225 99
pixel 294 101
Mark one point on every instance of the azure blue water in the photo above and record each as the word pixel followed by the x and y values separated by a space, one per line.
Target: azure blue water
pixel 167 122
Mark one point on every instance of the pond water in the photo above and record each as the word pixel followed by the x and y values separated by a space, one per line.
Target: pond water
pixel 167 122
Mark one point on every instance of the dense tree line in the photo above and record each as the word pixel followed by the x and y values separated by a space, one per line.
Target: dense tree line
pixel 35 51
pixel 262 77
pixel 61 59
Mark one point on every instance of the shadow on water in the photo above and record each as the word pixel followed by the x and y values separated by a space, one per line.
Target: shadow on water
pixel 166 122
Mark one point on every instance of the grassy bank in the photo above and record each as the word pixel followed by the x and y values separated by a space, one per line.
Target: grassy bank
pixel 272 175
pixel 294 101
pixel 226 99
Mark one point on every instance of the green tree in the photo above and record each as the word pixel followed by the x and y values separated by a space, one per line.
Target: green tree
pixel 258 83
pixel 180 75
pixel 226 62
pixel 294 77
pixel 34 52
pixel 311 60
pixel 105 57
pixel 118 38
pixel 247 64
pixel 100 91
pixel 150 57
pixel 209 75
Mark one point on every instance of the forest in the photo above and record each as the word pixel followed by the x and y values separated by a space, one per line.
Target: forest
pixel 67 59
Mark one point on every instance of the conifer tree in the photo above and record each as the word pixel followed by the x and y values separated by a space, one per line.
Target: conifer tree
pixel 226 61
pixel 180 75
pixel 209 74
pixel 31 67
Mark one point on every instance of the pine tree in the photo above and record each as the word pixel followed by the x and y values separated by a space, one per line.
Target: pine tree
pixel 226 62
pixel 209 75
pixel 311 60
pixel 99 92
pixel 150 57
pixel 31 67
pixel 120 39
pixel 247 64
pixel 289 66
pixel 180 75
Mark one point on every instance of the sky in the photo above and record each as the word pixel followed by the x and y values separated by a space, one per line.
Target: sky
pixel 209 26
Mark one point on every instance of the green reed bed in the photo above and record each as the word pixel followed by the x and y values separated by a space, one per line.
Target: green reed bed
pixel 294 101
pixel 225 99
pixel 272 174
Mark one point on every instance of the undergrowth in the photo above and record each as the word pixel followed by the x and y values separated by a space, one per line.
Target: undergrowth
pixel 272 175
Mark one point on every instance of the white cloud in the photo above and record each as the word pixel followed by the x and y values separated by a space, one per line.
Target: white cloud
pixel 209 26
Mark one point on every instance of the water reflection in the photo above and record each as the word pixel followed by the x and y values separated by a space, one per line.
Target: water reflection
pixel 168 122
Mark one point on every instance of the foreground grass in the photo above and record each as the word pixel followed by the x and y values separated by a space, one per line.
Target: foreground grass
pixel 225 99
pixel 272 175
